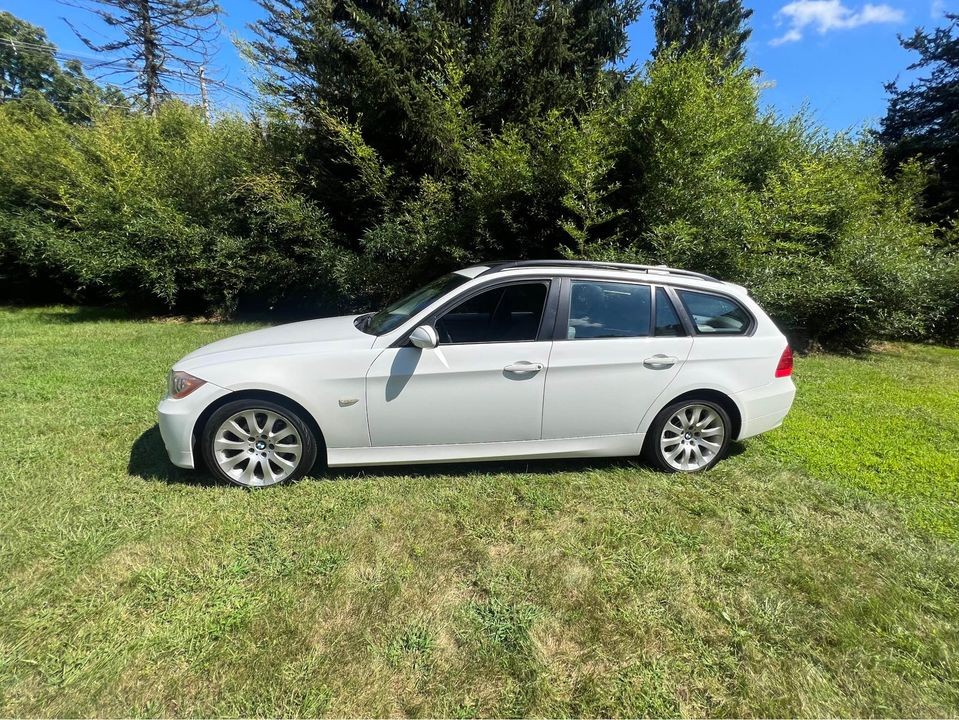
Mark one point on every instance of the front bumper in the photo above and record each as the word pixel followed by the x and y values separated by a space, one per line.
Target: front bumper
pixel 177 418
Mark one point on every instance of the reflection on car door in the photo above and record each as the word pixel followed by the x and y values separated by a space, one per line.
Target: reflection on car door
pixel 483 383
pixel 619 346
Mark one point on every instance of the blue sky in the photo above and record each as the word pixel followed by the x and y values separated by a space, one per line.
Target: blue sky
pixel 832 55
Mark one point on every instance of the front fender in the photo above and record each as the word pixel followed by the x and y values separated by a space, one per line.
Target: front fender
pixel 330 387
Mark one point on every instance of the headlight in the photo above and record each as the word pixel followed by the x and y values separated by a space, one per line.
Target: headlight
pixel 182 384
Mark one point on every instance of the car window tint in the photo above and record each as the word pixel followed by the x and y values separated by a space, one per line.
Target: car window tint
pixel 510 313
pixel 667 321
pixel 714 314
pixel 607 309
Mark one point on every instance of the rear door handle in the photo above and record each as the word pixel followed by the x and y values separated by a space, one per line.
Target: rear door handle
pixel 523 367
pixel 660 362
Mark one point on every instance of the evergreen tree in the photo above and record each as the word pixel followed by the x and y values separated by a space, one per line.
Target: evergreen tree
pixel 395 92
pixel 513 59
pixel 922 120
pixel 161 41
pixel 717 25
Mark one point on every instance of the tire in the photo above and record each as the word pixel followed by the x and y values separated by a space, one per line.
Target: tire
pixel 693 449
pixel 282 449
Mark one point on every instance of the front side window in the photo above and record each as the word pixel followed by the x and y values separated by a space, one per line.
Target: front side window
pixel 402 310
pixel 715 314
pixel 509 313
pixel 608 310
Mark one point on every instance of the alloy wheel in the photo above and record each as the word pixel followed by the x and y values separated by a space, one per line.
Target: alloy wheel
pixel 692 437
pixel 257 447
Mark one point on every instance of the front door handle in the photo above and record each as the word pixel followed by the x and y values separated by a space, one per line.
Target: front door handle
pixel 660 362
pixel 524 367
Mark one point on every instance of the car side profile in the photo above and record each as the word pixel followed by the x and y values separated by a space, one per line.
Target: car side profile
pixel 534 359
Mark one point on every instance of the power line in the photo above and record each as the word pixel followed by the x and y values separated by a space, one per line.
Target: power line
pixel 18 45
pixel 125 66
pixel 27 43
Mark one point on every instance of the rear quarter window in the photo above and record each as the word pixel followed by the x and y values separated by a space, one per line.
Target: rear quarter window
pixel 715 314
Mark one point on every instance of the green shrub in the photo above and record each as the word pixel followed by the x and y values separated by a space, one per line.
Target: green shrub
pixel 169 212
pixel 700 179
pixel 175 213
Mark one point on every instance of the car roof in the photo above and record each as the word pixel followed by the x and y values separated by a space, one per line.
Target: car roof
pixel 658 273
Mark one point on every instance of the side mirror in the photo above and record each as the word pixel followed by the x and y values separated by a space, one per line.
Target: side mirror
pixel 424 337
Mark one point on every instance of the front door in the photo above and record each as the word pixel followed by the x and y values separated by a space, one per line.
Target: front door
pixel 623 344
pixel 484 382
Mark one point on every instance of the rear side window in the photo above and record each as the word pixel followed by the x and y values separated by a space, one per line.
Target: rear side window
pixel 667 321
pixel 715 314
pixel 608 310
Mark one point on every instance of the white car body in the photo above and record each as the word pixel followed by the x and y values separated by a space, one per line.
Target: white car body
pixel 376 399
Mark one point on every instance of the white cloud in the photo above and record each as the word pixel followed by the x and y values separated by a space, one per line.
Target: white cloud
pixel 827 15
pixel 938 9
pixel 792 35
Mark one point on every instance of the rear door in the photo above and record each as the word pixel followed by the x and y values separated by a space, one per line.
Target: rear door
pixel 617 346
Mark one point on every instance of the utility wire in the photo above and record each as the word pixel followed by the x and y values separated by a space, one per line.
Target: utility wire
pixel 125 66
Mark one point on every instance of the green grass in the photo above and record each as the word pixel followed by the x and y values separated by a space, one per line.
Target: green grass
pixel 885 423
pixel 815 572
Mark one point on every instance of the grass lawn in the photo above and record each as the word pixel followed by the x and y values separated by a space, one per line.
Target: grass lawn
pixel 814 572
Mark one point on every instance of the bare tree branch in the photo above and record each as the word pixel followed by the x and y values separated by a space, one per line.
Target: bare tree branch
pixel 159 39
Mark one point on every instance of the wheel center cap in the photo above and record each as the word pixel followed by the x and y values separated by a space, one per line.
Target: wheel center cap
pixel 260 445
pixel 688 436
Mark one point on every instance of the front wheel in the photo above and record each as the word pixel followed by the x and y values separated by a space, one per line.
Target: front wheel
pixel 257 443
pixel 688 436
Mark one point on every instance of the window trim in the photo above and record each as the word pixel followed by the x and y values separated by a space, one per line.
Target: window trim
pixel 748 331
pixel 680 314
pixel 561 329
pixel 546 322
pixel 678 306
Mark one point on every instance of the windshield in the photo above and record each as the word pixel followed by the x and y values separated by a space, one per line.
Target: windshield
pixel 402 310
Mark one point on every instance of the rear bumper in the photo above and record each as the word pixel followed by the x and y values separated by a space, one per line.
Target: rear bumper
pixel 177 418
pixel 764 408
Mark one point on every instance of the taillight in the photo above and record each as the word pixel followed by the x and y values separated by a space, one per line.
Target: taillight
pixel 785 366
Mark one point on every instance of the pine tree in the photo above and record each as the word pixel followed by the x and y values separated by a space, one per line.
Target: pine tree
pixel 161 41
pixel 922 120
pixel 718 25
pixel 401 67
pixel 393 92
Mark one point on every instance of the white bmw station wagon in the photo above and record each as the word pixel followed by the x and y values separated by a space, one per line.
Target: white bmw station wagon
pixel 535 359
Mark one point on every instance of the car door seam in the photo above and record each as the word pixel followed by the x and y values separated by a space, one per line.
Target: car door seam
pixel 542 401
pixel 366 394
pixel 680 365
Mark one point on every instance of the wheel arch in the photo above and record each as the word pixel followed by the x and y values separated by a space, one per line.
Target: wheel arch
pixel 270 396
pixel 717 396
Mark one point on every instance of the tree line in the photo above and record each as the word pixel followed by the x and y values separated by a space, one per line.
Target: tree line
pixel 393 141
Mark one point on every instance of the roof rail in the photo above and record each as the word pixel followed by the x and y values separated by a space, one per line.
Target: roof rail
pixel 510 265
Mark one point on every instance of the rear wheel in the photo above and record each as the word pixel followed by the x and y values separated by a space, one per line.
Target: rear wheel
pixel 689 436
pixel 257 443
